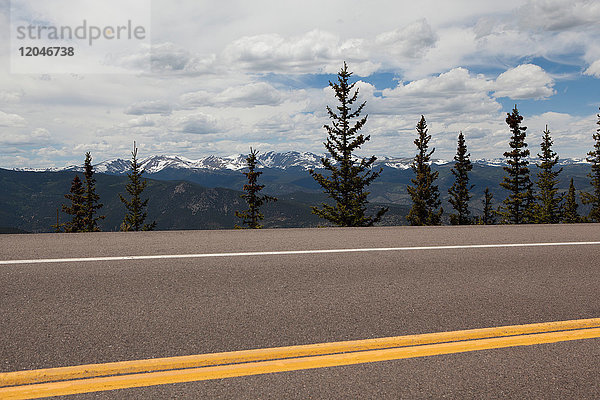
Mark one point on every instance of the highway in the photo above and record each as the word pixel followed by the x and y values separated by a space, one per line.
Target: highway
pixel 74 299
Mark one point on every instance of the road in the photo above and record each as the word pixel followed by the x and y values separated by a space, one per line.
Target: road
pixel 82 312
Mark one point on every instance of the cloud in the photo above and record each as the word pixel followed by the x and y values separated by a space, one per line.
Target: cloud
pixel 527 81
pixel 316 51
pixel 249 95
pixel 37 136
pixel 10 96
pixel 52 152
pixel 11 120
pixel 593 69
pixel 149 107
pixel 570 133
pixel 169 57
pixel 140 122
pixel 259 93
pixel 453 94
pixel 410 41
pixel 449 84
pixel 453 46
pixel 198 123
pixel 558 15
pixel 40 134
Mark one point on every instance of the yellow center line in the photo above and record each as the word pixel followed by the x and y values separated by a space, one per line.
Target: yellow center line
pixel 202 360
pixel 308 361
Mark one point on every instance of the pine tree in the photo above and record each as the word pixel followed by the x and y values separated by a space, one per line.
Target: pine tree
pixel 460 190
pixel 77 207
pixel 424 194
pixel 488 213
pixel 570 214
pixel 548 210
pixel 136 208
pixel 90 205
pixel 252 216
pixel 594 197
pixel 349 177
pixel 516 208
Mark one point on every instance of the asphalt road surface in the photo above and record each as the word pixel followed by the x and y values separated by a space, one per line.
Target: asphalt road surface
pixel 83 312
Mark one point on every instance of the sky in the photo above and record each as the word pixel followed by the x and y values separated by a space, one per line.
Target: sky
pixel 228 75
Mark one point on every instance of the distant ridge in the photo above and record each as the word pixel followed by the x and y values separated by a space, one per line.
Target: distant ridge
pixel 271 159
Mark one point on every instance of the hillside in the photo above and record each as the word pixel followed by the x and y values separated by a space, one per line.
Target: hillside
pixel 29 201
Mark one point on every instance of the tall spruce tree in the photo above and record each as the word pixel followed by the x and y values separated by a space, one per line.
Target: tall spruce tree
pixel 488 217
pixel 425 195
pixel 594 197
pixel 348 177
pixel 516 208
pixel 252 216
pixel 77 208
pixel 136 207
pixel 91 199
pixel 548 208
pixel 570 214
pixel 460 190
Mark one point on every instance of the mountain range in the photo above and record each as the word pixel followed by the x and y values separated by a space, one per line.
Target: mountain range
pixel 274 160
pixel 205 193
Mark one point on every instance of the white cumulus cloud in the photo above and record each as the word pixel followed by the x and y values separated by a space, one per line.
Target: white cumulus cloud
pixel 594 69
pixel 37 136
pixel 249 95
pixel 527 81
pixel 11 120
pixel 316 51
pixel 410 41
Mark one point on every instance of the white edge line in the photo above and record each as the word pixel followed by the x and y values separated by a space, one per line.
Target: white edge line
pixel 287 252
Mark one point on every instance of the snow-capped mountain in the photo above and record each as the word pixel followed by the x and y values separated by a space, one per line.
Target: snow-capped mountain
pixel 271 159
pixel 500 162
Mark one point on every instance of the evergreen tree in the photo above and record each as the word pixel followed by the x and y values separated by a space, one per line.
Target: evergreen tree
pixel 349 177
pixel 77 208
pixel 488 213
pixel 136 208
pixel 91 204
pixel 424 194
pixel 460 189
pixel 252 216
pixel 516 208
pixel 594 197
pixel 570 214
pixel 548 210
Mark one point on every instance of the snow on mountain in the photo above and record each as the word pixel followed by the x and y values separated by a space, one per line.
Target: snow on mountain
pixel 112 167
pixel 288 159
pixel 157 163
pixel 51 169
pixel 271 159
pixel 394 162
pixel 500 162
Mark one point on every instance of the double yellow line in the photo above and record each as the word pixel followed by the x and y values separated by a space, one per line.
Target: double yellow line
pixel 129 374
